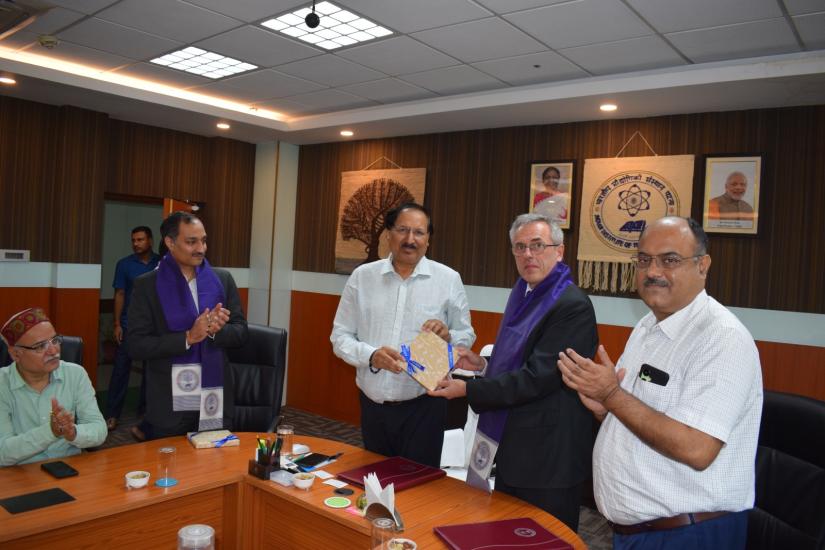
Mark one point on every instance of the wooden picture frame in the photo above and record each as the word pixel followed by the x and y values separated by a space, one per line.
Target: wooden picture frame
pixel 733 185
pixel 551 195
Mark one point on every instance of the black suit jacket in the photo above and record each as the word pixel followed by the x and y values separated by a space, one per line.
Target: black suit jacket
pixel 150 340
pixel 548 438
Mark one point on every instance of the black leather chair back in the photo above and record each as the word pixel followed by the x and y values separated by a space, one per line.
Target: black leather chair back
pixel 71 351
pixel 5 358
pixel 790 475
pixel 257 370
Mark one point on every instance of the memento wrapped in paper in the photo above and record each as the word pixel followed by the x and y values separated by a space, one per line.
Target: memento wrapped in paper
pixel 429 358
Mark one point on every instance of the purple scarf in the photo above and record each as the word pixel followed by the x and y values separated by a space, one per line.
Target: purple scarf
pixel 180 313
pixel 520 317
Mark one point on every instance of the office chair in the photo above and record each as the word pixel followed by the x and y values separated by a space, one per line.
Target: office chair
pixel 257 372
pixel 71 350
pixel 790 475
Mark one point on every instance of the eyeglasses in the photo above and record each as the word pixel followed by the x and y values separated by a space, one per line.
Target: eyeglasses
pixel 667 262
pixel 41 347
pixel 404 231
pixel 519 249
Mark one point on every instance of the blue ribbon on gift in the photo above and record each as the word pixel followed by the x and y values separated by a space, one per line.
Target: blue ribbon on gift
pixel 412 366
pixel 221 442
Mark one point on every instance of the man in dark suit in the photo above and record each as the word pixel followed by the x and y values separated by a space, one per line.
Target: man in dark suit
pixel 535 427
pixel 178 324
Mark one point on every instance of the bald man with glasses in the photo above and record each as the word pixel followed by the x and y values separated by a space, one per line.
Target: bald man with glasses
pixel 673 464
pixel 47 406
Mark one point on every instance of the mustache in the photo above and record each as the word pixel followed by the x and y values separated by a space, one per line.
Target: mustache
pixel 650 281
pixel 411 246
pixel 52 358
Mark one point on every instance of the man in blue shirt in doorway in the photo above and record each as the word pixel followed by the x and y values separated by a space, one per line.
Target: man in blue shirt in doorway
pixel 128 269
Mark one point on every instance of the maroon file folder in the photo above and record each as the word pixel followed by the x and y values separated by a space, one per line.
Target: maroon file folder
pixel 500 535
pixel 400 471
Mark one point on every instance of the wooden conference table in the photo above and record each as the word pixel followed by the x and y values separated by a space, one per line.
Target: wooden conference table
pixel 247 513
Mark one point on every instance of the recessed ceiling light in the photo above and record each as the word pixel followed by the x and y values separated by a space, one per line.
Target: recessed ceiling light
pixel 338 27
pixel 607 107
pixel 347 133
pixel 203 63
pixel 223 125
pixel 7 80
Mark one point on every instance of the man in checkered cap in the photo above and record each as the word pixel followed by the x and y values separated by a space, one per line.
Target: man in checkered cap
pixel 47 406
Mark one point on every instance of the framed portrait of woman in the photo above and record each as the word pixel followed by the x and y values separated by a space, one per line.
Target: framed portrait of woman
pixel 551 190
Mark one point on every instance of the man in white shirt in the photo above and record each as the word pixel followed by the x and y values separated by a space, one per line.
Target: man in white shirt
pixel 673 465
pixel 386 303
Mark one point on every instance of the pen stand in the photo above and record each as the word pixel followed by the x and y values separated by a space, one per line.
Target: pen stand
pixel 261 471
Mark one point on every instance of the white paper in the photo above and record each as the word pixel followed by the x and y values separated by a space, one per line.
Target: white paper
pixel 323 474
pixel 374 492
pixel 337 483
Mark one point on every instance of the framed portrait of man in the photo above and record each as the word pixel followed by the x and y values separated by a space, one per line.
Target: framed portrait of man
pixel 732 189
pixel 551 190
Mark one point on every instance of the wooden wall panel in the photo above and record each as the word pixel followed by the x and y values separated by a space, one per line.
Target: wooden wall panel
pixel 317 380
pixel 321 383
pixel 477 183
pixel 56 163
pixel 72 311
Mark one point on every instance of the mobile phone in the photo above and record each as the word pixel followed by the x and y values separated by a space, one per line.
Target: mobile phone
pixel 310 461
pixel 59 469
pixel 652 374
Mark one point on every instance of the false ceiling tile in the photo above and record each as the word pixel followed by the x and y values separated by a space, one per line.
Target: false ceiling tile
pixel 162 75
pixel 491 38
pixel 257 46
pixel 260 85
pixel 330 70
pixel 396 56
pixel 83 6
pixel 172 19
pixel 454 80
pixel 54 20
pixel 251 10
pixel 736 41
pixel 799 7
pixel 678 15
pixel 531 69
pixel 811 28
pixel 582 22
pixel 388 90
pixel 633 54
pixel 88 57
pixel 117 39
pixel 509 6
pixel 414 15
pixel 331 100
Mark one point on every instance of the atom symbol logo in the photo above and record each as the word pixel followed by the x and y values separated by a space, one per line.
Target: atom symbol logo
pixel 634 200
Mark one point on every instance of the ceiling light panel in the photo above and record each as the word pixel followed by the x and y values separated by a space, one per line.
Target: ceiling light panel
pixel 201 62
pixel 338 27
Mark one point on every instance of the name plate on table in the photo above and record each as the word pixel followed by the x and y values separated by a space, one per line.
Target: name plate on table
pixel 500 535
pixel 402 472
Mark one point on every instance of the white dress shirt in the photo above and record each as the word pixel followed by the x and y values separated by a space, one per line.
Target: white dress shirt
pixel 715 386
pixel 379 308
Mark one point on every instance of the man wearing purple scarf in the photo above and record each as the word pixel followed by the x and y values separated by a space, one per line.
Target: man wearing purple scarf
pixel 181 318
pixel 530 422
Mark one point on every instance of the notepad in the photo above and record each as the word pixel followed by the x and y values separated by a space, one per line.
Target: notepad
pixel 508 533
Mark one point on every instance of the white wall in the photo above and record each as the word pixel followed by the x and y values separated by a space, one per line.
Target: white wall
pixel 119 218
